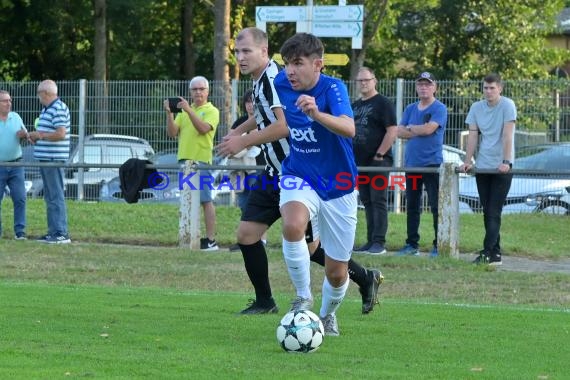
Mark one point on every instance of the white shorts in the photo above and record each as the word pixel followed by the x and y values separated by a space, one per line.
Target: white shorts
pixel 335 218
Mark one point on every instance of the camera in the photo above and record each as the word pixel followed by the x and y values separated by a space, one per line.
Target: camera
pixel 172 103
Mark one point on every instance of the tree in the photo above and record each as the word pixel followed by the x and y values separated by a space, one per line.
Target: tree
pixel 468 38
pixel 221 62
pixel 100 40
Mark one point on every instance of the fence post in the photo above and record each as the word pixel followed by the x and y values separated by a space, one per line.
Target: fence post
pixel 189 216
pixel 448 205
pixel 81 133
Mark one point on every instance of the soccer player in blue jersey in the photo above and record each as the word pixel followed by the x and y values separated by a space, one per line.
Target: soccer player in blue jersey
pixel 262 207
pixel 319 173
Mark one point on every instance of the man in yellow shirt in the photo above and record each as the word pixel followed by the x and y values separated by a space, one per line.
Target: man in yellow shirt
pixel 195 127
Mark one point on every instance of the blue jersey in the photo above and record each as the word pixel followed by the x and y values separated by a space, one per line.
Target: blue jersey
pixel 320 157
pixel 425 150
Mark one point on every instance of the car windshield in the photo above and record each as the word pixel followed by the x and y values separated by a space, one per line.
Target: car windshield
pixel 543 157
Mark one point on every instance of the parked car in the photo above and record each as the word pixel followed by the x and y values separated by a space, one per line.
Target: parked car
pixel 450 154
pixel 97 149
pixel 528 193
pixel 167 191
pixel 102 149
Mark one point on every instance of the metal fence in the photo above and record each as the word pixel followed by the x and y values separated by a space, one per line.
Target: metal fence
pixel 134 108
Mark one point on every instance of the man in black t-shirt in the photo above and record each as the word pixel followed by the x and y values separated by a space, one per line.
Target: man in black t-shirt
pixel 376 131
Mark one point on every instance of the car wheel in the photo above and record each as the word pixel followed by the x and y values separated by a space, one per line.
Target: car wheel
pixel 556 207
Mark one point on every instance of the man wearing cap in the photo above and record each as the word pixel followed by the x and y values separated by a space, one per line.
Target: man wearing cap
pixel 423 126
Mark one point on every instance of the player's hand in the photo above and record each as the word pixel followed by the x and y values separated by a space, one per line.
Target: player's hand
pixel 307 105
pixel 230 146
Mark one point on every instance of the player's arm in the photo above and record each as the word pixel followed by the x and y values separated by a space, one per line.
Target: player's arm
pixel 273 132
pixel 341 125
pixel 245 127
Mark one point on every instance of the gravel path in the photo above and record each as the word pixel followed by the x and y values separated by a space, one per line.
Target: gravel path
pixel 521 264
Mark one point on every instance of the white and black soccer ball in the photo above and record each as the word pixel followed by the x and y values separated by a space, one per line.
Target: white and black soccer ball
pixel 300 331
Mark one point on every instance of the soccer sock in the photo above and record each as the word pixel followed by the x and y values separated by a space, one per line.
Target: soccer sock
pixel 332 297
pixel 256 266
pixel 319 256
pixel 356 271
pixel 296 255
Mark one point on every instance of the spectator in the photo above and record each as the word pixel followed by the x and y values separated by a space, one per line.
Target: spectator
pixel 423 125
pixel 12 130
pixel 51 140
pixel 375 121
pixel 195 129
pixel 493 119
pixel 318 113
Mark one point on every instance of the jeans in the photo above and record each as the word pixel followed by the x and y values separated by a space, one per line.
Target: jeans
pixel 54 197
pixel 374 197
pixel 493 190
pixel 414 190
pixel 13 177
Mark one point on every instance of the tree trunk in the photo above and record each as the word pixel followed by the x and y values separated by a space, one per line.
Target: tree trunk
pixel 100 43
pixel 189 69
pixel 100 89
pixel 222 93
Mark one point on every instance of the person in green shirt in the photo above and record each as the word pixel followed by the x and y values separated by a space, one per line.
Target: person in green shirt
pixel 195 127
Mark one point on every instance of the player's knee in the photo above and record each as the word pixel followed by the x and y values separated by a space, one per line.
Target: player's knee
pixel 293 230
pixel 247 235
pixel 336 276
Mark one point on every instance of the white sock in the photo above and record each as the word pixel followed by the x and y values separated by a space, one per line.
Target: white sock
pixel 332 297
pixel 296 255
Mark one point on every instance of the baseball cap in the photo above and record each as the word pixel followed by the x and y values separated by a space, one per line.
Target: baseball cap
pixel 426 76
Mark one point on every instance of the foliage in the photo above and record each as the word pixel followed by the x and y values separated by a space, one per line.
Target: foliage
pixel 457 39
pixel 466 39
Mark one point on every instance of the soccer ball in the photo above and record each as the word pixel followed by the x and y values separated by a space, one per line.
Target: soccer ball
pixel 300 331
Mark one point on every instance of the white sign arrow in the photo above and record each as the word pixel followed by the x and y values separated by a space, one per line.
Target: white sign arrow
pixel 335 13
pixel 337 29
pixel 281 14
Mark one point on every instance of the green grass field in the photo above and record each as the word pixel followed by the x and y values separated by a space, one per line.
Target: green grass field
pixel 146 309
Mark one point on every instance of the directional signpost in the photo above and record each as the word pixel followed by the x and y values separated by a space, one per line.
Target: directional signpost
pixel 322 21
pixel 329 59
pixel 279 14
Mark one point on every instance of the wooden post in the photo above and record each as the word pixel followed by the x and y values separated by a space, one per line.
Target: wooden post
pixel 189 215
pixel 448 223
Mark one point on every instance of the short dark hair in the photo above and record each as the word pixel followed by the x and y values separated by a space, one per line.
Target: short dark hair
pixel 247 97
pixel 302 45
pixel 493 78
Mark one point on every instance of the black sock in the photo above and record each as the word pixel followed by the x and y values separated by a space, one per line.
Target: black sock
pixel 356 272
pixel 257 268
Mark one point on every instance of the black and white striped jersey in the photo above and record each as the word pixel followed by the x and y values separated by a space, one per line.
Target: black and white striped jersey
pixel 265 99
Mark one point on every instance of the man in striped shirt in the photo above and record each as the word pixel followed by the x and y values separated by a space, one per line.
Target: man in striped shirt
pixel 268 128
pixel 51 140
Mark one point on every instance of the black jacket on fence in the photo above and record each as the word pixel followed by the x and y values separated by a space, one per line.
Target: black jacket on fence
pixel 134 175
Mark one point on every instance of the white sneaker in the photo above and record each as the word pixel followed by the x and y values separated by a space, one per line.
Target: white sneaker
pixel 330 324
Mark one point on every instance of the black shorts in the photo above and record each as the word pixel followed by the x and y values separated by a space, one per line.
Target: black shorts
pixel 263 204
